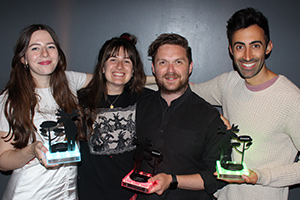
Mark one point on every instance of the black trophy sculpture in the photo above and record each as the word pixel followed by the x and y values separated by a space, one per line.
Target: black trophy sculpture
pixel 63 151
pixel 232 169
pixel 140 155
pixel 70 126
pixel 137 179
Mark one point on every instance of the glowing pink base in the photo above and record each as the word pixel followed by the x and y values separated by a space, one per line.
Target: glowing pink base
pixel 139 186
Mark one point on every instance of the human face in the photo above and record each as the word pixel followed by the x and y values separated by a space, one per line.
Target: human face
pixel 249 49
pixel 172 69
pixel 41 57
pixel 118 71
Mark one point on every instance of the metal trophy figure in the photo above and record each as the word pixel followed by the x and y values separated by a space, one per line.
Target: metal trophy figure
pixel 63 151
pixel 226 168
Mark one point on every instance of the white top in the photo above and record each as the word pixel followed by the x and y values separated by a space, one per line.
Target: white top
pixel 34 181
pixel 272 118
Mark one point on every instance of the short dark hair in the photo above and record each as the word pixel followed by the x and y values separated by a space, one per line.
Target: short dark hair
pixel 169 38
pixel 245 18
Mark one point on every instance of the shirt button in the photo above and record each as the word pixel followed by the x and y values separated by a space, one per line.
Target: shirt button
pixel 161 131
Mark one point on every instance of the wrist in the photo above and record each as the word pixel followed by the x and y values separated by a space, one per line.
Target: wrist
pixel 174 182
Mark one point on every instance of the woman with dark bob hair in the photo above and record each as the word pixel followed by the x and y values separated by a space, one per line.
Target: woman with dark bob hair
pixel 37 88
pixel 109 104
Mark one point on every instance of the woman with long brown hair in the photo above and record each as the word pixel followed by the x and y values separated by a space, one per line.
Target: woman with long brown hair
pixel 110 102
pixel 37 88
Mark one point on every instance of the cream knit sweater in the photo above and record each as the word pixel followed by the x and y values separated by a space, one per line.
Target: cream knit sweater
pixel 272 118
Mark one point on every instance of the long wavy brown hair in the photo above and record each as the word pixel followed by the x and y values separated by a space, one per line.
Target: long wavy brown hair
pixel 97 89
pixel 20 90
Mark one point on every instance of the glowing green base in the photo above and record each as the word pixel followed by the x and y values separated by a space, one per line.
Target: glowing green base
pixel 229 174
pixel 63 157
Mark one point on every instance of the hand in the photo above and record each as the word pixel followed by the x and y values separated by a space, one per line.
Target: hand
pixel 162 183
pixel 225 121
pixel 39 150
pixel 251 179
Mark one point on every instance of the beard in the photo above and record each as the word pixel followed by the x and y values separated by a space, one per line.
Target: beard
pixel 166 88
pixel 244 73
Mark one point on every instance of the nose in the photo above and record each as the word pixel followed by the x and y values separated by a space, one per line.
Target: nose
pixel 248 54
pixel 120 65
pixel 45 52
pixel 170 67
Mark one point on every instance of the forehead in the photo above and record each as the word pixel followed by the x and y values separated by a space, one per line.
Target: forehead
pixel 119 51
pixel 41 36
pixel 248 35
pixel 171 51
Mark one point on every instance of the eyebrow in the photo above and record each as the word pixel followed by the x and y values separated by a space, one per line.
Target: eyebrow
pixel 253 42
pixel 40 44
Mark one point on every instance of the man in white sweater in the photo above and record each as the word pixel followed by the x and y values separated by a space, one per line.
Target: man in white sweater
pixel 264 105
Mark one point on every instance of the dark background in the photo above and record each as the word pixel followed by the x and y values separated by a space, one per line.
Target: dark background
pixel 83 27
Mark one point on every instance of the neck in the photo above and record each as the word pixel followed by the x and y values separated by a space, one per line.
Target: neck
pixel 45 83
pixel 171 96
pixel 114 90
pixel 263 76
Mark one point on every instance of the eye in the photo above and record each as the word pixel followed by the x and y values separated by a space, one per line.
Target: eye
pixel 34 48
pixel 161 62
pixel 127 61
pixel 178 62
pixel 51 47
pixel 112 59
pixel 256 46
pixel 239 47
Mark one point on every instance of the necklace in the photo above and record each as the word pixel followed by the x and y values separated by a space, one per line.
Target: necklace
pixel 112 103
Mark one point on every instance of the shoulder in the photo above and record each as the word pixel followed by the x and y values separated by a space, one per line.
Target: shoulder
pixel 146 92
pixel 284 88
pixel 285 82
pixel 198 101
pixel 148 98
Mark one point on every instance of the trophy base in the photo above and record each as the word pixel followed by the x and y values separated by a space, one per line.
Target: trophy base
pixel 231 174
pixel 140 182
pixel 60 157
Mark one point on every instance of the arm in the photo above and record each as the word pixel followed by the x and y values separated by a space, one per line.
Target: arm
pixel 282 175
pixel 11 158
pixel 211 90
pixel 88 79
pixel 187 182
pixel 150 80
pixel 289 174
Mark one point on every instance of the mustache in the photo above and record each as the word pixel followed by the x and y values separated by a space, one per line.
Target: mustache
pixel 171 74
pixel 248 61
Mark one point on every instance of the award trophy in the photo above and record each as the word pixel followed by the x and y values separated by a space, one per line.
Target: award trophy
pixel 138 180
pixel 63 151
pixel 226 168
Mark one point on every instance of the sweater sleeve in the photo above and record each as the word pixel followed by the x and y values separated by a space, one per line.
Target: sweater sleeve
pixel 285 175
pixel 211 90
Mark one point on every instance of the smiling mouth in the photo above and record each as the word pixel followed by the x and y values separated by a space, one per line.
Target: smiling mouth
pixel 248 66
pixel 47 62
pixel 171 77
pixel 118 74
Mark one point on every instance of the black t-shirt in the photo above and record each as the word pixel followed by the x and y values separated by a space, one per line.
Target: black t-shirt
pixel 108 154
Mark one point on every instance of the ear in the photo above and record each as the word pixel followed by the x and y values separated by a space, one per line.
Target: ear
pixel 230 49
pixel 24 61
pixel 153 68
pixel 191 67
pixel 269 47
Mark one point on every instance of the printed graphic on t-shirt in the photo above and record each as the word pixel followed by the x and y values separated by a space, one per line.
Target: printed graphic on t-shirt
pixel 114 131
